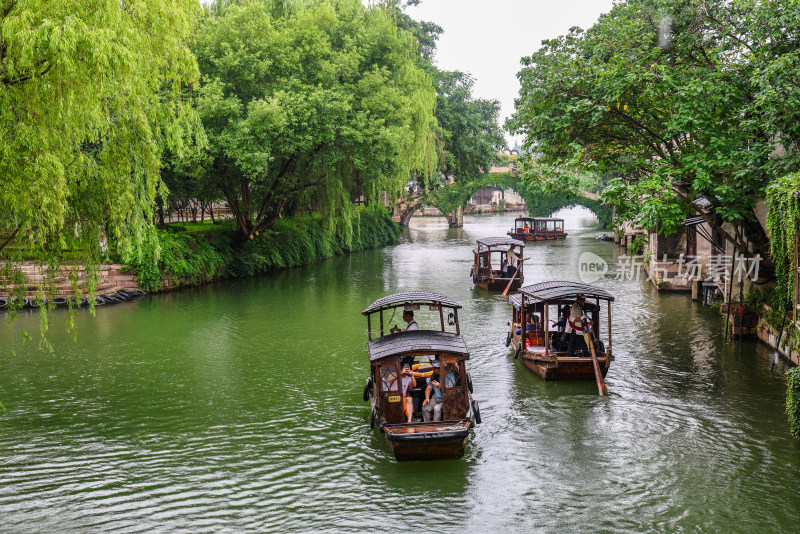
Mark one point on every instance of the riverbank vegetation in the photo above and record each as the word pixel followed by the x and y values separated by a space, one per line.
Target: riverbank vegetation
pixel 192 256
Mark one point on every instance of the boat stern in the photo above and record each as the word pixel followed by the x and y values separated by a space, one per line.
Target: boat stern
pixel 428 441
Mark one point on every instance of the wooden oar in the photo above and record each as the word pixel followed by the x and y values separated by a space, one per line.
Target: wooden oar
pixel 601 384
pixel 513 277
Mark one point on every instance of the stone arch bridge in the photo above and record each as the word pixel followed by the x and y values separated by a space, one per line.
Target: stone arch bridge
pixel 539 204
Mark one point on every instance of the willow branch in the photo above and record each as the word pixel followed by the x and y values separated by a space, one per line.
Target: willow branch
pixel 11 237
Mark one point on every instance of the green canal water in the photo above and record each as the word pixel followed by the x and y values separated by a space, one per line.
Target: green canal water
pixel 237 407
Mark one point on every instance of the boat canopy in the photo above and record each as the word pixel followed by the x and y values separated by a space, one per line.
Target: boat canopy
pixel 500 242
pixel 538 219
pixel 411 298
pixel 549 291
pixel 420 341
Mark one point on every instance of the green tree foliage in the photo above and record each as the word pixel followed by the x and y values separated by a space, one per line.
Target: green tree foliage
pixel 310 106
pixel 90 94
pixel 471 138
pixel 455 195
pixel 676 98
pixel 472 135
pixel 426 33
pixel 199 257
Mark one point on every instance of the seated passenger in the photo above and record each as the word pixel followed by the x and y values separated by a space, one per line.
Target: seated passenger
pixel 532 325
pixel 408 381
pixel 432 405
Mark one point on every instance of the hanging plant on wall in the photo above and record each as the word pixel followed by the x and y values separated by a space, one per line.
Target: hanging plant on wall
pixel 783 198
pixel 782 222
pixel 793 401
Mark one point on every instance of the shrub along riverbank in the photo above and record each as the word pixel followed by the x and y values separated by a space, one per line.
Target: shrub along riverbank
pixel 198 254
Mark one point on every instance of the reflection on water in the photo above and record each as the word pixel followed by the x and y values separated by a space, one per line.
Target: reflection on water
pixel 238 407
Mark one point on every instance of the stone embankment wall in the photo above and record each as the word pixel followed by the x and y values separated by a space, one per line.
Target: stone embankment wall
pixel 112 279
pixel 768 334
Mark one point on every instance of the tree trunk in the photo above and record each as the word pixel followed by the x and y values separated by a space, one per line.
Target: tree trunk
pixel 456 218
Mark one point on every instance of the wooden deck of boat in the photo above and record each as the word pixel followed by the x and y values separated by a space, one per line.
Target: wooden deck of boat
pixel 437 440
pixel 429 427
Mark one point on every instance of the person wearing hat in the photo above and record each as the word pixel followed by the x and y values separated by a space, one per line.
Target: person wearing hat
pixel 576 322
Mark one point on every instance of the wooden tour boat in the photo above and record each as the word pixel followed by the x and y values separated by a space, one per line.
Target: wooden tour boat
pixel 537 229
pixel 423 349
pixel 541 350
pixel 492 269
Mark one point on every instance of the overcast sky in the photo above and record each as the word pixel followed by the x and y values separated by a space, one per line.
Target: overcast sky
pixel 487 38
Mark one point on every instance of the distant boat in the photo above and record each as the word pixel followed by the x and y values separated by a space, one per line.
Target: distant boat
pixel 491 269
pixel 428 352
pixel 537 229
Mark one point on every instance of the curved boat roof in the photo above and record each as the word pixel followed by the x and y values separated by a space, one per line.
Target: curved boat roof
pixel 538 219
pixel 500 242
pixel 546 291
pixel 425 341
pixel 411 297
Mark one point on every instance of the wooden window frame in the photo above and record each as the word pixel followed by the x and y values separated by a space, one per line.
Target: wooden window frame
pixel 397 382
pixel 452 360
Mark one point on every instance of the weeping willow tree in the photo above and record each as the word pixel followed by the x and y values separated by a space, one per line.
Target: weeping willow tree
pixel 90 95
pixel 310 105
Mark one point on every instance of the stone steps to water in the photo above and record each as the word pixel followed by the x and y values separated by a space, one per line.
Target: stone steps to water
pixel 111 279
